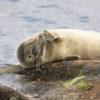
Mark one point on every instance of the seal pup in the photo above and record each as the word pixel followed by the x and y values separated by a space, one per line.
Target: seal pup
pixel 59 44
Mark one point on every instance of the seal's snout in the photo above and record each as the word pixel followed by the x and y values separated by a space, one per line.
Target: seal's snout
pixel 20 52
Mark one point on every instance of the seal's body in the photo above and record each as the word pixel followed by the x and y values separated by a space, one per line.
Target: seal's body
pixel 59 44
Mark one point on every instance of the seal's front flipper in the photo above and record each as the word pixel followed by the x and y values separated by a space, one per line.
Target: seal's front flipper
pixel 74 57
pixel 70 58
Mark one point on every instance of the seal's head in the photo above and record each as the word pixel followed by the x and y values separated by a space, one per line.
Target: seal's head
pixel 29 52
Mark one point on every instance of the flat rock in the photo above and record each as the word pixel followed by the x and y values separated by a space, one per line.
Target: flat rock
pixel 46 84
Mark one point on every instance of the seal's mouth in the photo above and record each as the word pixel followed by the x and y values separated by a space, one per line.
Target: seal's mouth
pixel 20 52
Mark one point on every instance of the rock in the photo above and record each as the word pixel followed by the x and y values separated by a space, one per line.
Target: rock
pixel 47 84
pixel 50 71
pixel 7 93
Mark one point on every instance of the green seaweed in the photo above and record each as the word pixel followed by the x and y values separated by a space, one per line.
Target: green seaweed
pixel 84 85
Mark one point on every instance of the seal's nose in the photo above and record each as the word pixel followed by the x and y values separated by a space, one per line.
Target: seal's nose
pixel 20 52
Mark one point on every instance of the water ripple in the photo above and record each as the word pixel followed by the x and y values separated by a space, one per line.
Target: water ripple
pixel 13 1
pixel 84 19
pixel 46 21
pixel 49 6
pixel 31 19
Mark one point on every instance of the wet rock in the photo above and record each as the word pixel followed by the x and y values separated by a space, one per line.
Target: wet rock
pixel 7 93
pixel 52 71
pixel 47 83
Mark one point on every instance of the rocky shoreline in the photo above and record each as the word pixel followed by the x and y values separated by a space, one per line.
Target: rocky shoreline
pixel 56 81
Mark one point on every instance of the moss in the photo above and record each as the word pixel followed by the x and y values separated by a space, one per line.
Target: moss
pixel 84 85
pixel 69 83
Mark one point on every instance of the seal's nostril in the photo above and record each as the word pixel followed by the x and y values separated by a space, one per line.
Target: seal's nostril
pixel 20 52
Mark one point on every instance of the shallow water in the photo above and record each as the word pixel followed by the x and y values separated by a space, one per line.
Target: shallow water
pixel 20 19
